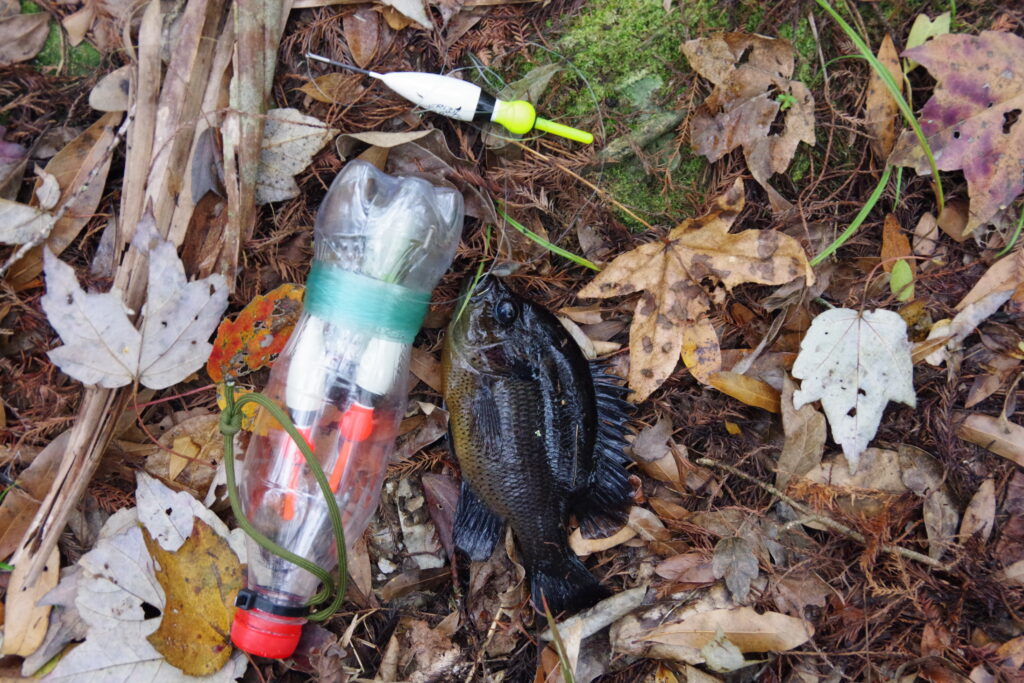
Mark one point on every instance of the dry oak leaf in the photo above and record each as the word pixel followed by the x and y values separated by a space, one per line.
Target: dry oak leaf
pixel 751 74
pixel 669 272
pixel 971 121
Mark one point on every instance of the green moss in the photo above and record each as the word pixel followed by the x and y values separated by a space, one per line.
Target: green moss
pixel 642 193
pixel 614 43
pixel 80 60
pixel 806 51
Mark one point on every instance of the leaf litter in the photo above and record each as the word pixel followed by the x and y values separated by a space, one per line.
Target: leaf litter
pixel 860 603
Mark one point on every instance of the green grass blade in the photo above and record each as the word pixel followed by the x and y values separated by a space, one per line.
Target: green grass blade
pixel 1016 236
pixel 894 90
pixel 876 194
pixel 556 637
pixel 554 249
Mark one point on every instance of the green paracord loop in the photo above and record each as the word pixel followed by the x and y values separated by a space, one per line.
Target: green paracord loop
pixel 230 424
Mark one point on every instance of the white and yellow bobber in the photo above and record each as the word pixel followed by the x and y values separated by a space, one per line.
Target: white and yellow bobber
pixel 465 101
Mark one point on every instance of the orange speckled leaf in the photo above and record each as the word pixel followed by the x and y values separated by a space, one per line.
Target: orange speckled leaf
pixel 254 338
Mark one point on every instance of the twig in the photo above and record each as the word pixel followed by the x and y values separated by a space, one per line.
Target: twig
pixel 602 193
pixel 487 640
pixel 811 516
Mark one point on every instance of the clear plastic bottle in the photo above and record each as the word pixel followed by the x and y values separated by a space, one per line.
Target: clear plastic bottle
pixel 381 245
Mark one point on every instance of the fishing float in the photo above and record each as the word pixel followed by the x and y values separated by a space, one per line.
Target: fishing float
pixel 464 101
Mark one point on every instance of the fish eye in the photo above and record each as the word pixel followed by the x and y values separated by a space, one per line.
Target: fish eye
pixel 505 312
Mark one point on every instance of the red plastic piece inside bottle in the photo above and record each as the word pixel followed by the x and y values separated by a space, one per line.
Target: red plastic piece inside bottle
pixel 357 422
pixel 266 635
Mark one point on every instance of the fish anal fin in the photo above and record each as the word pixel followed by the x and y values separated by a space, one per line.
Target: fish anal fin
pixel 477 529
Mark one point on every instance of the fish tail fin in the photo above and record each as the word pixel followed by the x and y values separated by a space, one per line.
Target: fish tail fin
pixel 568 586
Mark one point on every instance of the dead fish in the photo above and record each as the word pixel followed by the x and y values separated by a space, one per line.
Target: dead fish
pixel 538 433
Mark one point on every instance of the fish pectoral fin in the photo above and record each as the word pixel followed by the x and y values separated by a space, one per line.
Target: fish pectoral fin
pixel 477 529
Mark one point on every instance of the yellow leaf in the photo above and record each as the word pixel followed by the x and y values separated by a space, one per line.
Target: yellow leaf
pixel 749 390
pixel 880 107
pixel 200 581
pixel 669 273
pixel 701 353
pixel 733 428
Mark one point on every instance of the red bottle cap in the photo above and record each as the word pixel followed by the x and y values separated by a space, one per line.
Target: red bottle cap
pixel 265 635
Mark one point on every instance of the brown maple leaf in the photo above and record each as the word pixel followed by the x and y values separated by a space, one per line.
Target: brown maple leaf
pixel 746 99
pixel 669 272
pixel 972 119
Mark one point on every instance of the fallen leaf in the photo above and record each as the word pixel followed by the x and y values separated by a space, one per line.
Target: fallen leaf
pixel 747 629
pixel 78 23
pixel 652 449
pixel 111 93
pixel 735 562
pixel 20 223
pixel 996 434
pixel 13 160
pixel 998 370
pixel 963 324
pixel 22 37
pixel 805 438
pixel 102 347
pixel 47 190
pixel 925 476
pixel 980 515
pixel 855 363
pixel 746 389
pixel 880 106
pixel 200 581
pixel 751 74
pixel 25 621
pixel 427 367
pixel 796 590
pixel 1006 273
pixel 335 87
pixel 442 494
pixel 362 35
pixel 81 169
pixel 21 501
pixel 290 140
pixel 686 568
pixel 968 125
pixel 413 9
pixel 670 273
pixel 119 585
pixel 925 29
pixel 926 235
pixel 721 656
pixel 257 334
pixel 197 436
pixel 895 245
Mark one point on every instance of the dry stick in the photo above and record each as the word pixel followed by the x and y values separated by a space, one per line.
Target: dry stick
pixel 811 516
pixel 487 640
pixel 602 193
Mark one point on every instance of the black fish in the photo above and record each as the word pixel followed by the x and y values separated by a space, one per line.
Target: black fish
pixel 538 435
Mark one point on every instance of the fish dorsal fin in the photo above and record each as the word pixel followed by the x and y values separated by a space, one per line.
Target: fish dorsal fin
pixel 602 504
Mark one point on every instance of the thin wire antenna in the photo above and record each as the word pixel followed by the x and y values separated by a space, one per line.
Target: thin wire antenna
pixel 350 67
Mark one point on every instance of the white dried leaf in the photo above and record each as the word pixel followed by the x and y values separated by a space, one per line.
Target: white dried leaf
pixel 178 319
pixel 964 323
pixel 413 9
pixel 855 363
pixel 48 192
pixel 20 223
pixel 117 578
pixel 721 656
pixel 101 346
pixel 290 139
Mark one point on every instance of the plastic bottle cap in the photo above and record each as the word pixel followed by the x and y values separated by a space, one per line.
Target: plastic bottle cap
pixel 264 635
